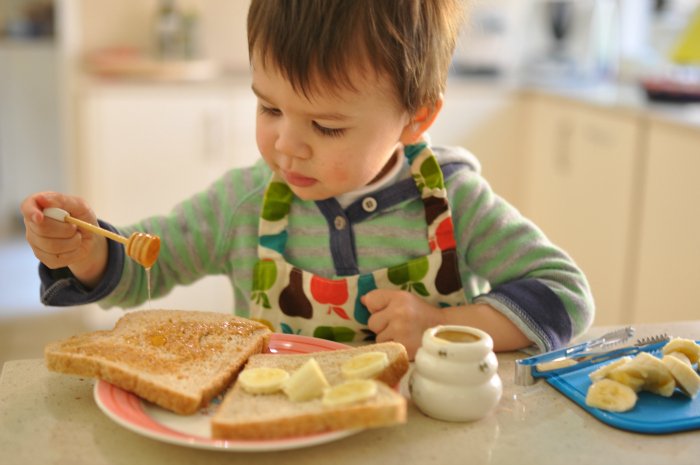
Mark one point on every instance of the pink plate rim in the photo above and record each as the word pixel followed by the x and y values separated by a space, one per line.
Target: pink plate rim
pixel 128 410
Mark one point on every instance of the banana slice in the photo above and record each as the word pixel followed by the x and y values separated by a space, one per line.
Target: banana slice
pixel 657 377
pixel 645 372
pixel 262 380
pixel 629 375
pixel 605 370
pixel 610 395
pixel 306 383
pixel 686 346
pixel 680 356
pixel 687 379
pixel 349 392
pixel 364 366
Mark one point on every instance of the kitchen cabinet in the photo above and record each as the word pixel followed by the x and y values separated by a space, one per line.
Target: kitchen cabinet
pixel 30 138
pixel 483 117
pixel 580 182
pixel 145 147
pixel 667 270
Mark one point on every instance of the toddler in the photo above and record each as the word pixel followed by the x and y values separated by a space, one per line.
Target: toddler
pixel 352 226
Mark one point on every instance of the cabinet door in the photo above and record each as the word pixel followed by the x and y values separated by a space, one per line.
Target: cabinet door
pixel 30 140
pixel 580 182
pixel 145 150
pixel 668 267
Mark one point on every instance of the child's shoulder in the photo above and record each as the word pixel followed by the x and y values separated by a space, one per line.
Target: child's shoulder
pixel 252 176
pixel 454 159
pixel 242 184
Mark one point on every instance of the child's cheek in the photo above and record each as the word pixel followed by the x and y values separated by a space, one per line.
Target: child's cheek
pixel 336 171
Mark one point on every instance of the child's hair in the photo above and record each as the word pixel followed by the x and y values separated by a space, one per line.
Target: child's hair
pixel 320 42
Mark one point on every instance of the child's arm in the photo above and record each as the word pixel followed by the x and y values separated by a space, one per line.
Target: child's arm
pixel 60 245
pixel 402 317
pixel 531 282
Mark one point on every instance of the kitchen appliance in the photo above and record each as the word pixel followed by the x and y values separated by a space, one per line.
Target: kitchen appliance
pixel 571 41
pixel 489 42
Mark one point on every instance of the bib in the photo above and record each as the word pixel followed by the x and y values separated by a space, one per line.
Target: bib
pixel 291 300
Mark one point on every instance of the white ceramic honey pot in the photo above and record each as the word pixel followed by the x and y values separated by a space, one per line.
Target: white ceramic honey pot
pixel 455 377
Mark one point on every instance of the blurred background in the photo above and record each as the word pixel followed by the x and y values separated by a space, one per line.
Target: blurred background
pixel 584 114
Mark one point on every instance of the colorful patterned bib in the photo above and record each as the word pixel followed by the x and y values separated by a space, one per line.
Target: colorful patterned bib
pixel 291 300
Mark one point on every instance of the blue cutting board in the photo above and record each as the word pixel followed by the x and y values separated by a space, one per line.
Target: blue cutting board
pixel 653 414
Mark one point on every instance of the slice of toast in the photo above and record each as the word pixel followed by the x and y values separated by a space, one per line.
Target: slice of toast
pixel 266 416
pixel 176 359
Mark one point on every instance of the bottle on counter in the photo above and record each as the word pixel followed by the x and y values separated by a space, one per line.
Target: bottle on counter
pixel 169 31
pixel 191 45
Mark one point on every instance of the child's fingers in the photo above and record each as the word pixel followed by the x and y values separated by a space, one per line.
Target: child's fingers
pixel 58 259
pixel 378 322
pixel 32 207
pixel 52 229
pixel 57 252
pixel 55 243
pixel 45 228
pixel 377 300
pixel 75 206
pixel 384 336
pixel 58 245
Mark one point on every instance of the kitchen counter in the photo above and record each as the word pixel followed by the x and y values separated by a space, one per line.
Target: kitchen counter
pixel 48 418
pixel 622 97
pixel 625 97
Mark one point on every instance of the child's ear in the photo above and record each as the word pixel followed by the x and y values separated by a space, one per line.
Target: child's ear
pixel 420 122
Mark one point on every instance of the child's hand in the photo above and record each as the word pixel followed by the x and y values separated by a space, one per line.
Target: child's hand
pixel 400 316
pixel 58 244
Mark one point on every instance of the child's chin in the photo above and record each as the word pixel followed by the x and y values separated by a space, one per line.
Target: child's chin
pixel 305 194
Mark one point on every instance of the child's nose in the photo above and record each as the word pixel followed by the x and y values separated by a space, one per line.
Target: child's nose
pixel 291 143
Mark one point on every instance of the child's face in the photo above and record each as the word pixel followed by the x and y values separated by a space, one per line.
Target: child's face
pixel 332 142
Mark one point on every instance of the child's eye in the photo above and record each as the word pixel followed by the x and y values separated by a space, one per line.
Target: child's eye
pixel 268 110
pixel 331 132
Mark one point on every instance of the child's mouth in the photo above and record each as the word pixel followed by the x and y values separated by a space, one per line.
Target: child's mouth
pixel 298 180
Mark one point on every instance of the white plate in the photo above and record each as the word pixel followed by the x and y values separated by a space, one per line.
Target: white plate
pixel 147 419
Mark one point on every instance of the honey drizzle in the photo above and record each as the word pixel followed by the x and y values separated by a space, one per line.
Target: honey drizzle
pixel 148 285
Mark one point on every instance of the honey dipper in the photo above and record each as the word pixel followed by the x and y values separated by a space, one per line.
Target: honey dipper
pixel 141 247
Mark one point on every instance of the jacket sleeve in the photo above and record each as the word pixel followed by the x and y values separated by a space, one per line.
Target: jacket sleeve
pixel 60 288
pixel 192 235
pixel 198 237
pixel 531 281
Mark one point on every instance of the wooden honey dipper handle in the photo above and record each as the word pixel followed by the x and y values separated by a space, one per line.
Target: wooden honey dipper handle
pixel 62 215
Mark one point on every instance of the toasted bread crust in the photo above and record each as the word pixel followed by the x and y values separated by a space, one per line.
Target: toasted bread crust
pixel 181 377
pixel 395 371
pixel 354 417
